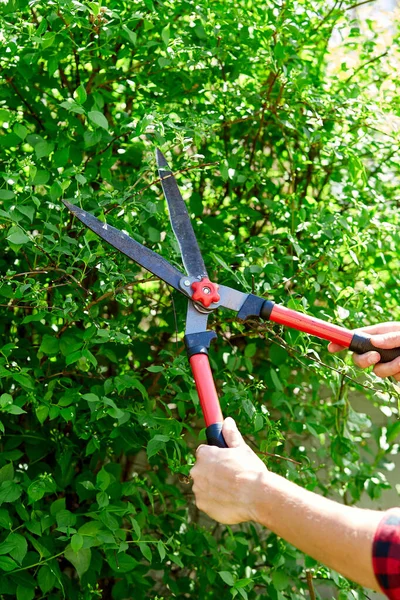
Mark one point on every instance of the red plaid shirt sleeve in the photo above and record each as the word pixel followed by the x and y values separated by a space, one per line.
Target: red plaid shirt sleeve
pixel 386 554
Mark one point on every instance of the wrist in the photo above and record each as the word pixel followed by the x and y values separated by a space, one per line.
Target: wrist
pixel 259 500
pixel 267 499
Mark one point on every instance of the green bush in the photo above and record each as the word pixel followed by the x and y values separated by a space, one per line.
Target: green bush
pixel 286 149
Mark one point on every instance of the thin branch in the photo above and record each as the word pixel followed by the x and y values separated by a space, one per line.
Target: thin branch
pixel 211 164
pixel 310 585
pixel 28 106
pixel 359 4
pixel 327 15
pixel 117 290
pixel 361 67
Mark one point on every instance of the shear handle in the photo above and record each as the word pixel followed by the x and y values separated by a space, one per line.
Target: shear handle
pixel 209 401
pixel 356 342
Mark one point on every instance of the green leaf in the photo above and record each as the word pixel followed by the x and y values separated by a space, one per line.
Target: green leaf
pixel 15 410
pixel 46 579
pixel 9 491
pixel 6 547
pixel 20 546
pixel 121 562
pixel 17 236
pixel 5 400
pixel 250 350
pixel 7 472
pixel 145 550
pixel 91 528
pixel 27 211
pixel 80 560
pixel 73 107
pixel 136 528
pixel 5 519
pixel 276 380
pixel 98 119
pixel 165 34
pixel 76 542
pixel 56 191
pixel 161 550
pixel 156 444
pixel 24 380
pixel 131 35
pixel 57 506
pixel 103 479
pixel 6 194
pixel 74 357
pixel 50 345
pixel 7 564
pixel 280 580
pixel 20 130
pixel 109 521
pixel 43 149
pixel 42 412
pixel 102 499
pixel 80 94
pixel 65 518
pixel 155 369
pixel 227 577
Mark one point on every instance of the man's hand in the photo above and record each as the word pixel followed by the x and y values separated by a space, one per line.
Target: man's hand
pixel 384 335
pixel 227 481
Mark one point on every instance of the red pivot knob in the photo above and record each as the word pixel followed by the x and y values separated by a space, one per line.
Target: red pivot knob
pixel 205 292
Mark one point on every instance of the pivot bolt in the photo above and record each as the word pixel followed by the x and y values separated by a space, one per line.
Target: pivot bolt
pixel 187 282
pixel 205 292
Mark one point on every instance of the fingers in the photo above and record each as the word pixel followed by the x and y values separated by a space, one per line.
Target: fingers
pixel 335 347
pixel 386 340
pixel 379 328
pixel 231 434
pixel 385 335
pixel 390 369
pixel 366 360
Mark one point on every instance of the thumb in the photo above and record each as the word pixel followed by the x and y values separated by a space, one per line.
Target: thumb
pixel 231 434
pixel 386 340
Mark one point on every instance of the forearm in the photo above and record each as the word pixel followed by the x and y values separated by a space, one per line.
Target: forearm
pixel 338 536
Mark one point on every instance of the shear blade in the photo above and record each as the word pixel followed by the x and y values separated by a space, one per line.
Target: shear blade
pixel 146 258
pixel 180 221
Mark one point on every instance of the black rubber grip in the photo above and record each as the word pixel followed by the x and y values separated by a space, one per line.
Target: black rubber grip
pixel 214 436
pixel 361 344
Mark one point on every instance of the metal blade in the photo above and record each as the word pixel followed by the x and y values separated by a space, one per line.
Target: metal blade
pixel 180 221
pixel 196 322
pixel 121 241
pixel 230 298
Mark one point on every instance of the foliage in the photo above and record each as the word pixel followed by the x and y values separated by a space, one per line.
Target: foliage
pixel 280 120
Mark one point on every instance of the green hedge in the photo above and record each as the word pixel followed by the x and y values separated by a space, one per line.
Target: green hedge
pixel 285 147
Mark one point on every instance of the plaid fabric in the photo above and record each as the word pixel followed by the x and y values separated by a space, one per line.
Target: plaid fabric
pixel 386 554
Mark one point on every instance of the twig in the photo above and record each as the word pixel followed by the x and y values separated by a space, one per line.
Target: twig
pixel 21 97
pixel 359 4
pixel 361 67
pixel 172 175
pixel 310 585
pixel 44 271
pixel 296 462
pixel 117 290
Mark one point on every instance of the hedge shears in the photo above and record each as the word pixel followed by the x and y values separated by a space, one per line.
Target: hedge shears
pixel 205 296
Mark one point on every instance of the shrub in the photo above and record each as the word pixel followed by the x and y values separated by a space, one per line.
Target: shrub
pixel 285 146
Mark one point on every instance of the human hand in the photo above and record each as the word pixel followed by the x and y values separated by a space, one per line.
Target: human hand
pixel 383 335
pixel 227 481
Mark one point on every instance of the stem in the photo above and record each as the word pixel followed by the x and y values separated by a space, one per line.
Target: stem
pixel 41 562
pixel 310 585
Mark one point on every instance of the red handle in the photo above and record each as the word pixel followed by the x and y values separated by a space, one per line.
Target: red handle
pixel 206 389
pixel 302 322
